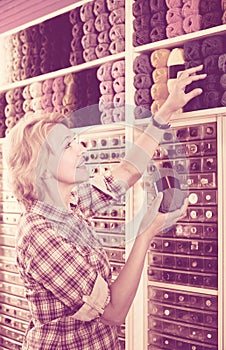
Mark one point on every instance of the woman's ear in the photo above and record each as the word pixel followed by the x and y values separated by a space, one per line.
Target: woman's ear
pixel 46 174
pixel 42 163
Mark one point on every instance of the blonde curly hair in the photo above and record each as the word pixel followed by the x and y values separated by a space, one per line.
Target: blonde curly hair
pixel 21 149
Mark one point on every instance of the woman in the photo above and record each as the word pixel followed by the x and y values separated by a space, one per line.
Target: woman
pixel 66 273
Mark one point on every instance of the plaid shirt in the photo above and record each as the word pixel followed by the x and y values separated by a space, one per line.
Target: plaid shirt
pixel 59 268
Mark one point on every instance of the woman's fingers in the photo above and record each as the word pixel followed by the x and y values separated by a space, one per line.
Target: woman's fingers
pixel 157 201
pixel 189 79
pixel 175 215
pixel 193 93
pixel 186 78
pixel 190 71
pixel 189 75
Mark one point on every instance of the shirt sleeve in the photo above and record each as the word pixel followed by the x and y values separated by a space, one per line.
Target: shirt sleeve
pixel 94 303
pixel 63 269
pixel 103 190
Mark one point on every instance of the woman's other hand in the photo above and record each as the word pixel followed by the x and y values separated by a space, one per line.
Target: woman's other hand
pixel 155 222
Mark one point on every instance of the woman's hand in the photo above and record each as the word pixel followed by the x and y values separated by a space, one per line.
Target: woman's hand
pixel 154 222
pixel 178 98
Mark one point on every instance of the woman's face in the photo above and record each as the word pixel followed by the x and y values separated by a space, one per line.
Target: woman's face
pixel 66 159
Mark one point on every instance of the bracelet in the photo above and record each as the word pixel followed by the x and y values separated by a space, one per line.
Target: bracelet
pixel 159 125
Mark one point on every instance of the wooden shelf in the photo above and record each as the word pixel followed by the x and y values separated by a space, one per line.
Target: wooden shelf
pixel 180 40
pixel 204 115
pixel 64 71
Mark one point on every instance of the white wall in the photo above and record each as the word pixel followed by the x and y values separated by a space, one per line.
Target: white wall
pixel 14 13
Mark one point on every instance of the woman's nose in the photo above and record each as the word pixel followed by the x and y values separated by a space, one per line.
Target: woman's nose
pixel 79 144
pixel 81 147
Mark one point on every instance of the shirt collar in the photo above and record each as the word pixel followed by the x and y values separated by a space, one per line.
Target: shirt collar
pixel 49 211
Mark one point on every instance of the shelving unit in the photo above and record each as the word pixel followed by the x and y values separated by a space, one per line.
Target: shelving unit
pixel 135 334
pixel 171 42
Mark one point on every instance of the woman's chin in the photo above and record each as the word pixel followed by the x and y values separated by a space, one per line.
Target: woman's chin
pixel 81 174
